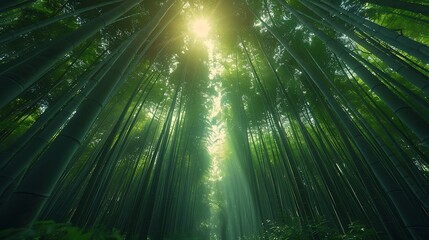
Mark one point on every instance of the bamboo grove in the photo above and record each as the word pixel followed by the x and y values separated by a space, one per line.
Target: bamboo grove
pixel 289 112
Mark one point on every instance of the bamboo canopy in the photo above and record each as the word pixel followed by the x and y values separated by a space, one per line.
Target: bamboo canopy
pixel 190 119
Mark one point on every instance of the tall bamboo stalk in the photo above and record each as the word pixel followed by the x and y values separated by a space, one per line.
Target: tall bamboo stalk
pixel 18 78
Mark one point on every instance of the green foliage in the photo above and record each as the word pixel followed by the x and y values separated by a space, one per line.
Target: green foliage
pixel 318 229
pixel 50 230
pixel 304 133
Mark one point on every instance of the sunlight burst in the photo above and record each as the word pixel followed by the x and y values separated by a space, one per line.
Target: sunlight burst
pixel 200 27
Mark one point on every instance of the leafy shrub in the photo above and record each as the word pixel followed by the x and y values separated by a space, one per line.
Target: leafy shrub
pixel 50 230
pixel 315 230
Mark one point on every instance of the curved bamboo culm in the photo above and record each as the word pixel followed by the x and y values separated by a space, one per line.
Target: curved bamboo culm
pixel 410 180
pixel 8 153
pixel 10 36
pixel 287 156
pixel 418 192
pixel 315 155
pixel 414 218
pixel 310 148
pixel 364 209
pixel 418 50
pixel 399 4
pixel 28 71
pixel 19 113
pixel 31 194
pixel 112 148
pixel 388 154
pixel 8 5
pixel 397 65
pixel 161 150
pixel 404 112
pixel 419 104
pixel 136 201
pixel 397 128
pixel 19 156
pixel 258 131
pixel 73 59
pixel 109 154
